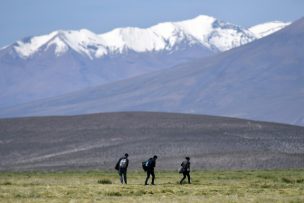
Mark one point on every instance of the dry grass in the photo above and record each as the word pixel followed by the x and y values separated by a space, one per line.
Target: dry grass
pixel 207 186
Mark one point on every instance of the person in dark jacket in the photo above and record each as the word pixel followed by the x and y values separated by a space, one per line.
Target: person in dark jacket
pixel 151 163
pixel 185 170
pixel 122 166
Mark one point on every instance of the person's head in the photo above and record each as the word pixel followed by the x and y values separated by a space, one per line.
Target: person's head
pixel 187 158
pixel 126 154
pixel 154 157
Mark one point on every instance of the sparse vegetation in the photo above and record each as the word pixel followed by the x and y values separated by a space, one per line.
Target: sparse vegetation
pixel 104 181
pixel 101 186
pixel 6 183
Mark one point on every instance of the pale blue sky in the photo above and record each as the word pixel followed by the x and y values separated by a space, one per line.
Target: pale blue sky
pixel 22 18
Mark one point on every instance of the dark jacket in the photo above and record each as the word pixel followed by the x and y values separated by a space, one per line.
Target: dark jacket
pixel 152 163
pixel 186 166
pixel 117 164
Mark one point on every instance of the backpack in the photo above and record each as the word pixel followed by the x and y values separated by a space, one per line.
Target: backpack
pixel 123 163
pixel 146 164
pixel 185 166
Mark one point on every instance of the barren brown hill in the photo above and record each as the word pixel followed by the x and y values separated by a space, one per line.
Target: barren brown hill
pixel 96 142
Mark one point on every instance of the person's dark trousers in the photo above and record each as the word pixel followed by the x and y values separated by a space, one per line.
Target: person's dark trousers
pixel 123 175
pixel 150 172
pixel 186 173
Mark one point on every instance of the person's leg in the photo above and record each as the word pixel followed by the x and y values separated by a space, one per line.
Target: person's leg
pixel 184 176
pixel 188 175
pixel 153 176
pixel 148 176
pixel 125 176
pixel 120 175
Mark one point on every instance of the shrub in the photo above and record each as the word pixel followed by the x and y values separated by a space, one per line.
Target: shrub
pixel 104 181
pixel 139 192
pixel 6 183
pixel 268 177
pixel 287 180
pixel 167 191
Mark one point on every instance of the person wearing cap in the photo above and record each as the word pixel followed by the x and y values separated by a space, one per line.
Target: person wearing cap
pixel 185 169
pixel 122 166
pixel 151 163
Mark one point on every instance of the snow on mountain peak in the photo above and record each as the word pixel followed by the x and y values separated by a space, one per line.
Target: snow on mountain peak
pixel 203 30
pixel 215 34
pixel 28 46
pixel 166 30
pixel 136 39
pixel 264 29
pixel 172 35
pixel 82 41
pixel 198 27
pixel 60 46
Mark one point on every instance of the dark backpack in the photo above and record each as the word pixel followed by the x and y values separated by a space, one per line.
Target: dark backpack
pixel 146 164
pixel 184 166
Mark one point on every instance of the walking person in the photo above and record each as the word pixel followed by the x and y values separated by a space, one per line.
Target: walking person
pixel 150 165
pixel 185 170
pixel 122 166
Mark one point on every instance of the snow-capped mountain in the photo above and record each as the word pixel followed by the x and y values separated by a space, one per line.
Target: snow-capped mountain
pixel 262 80
pixel 64 61
pixel 264 29
pixel 207 31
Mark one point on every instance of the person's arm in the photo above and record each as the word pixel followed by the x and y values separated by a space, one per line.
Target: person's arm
pixel 127 163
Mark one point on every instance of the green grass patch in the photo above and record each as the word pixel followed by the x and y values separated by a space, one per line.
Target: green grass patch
pixel 104 186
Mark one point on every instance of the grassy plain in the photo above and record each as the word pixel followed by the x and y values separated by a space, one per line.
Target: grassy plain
pixel 102 186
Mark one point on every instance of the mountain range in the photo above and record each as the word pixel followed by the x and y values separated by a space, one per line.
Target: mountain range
pixel 262 80
pixel 65 61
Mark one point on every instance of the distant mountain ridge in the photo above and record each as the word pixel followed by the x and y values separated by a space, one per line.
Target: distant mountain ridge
pixel 262 80
pixel 65 61
pixel 207 31
pixel 210 32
